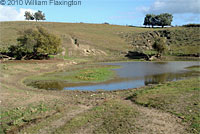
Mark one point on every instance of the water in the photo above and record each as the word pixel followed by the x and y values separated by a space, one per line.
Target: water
pixel 138 74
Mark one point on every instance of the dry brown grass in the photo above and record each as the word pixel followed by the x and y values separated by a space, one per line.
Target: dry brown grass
pixel 101 37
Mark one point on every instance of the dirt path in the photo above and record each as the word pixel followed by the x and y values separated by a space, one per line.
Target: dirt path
pixel 149 121
pixel 153 121
pixel 85 49
pixel 60 122
pixel 15 93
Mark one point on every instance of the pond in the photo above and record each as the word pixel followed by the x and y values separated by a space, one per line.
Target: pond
pixel 138 74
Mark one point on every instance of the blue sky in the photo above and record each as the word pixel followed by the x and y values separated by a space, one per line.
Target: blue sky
pixel 121 12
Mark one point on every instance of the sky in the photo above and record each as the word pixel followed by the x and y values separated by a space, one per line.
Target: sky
pixel 120 12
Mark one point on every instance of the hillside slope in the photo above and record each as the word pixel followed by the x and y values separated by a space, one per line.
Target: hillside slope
pixel 95 40
pixel 180 40
pixel 101 42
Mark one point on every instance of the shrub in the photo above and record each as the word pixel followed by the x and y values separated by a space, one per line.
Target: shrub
pixel 4 50
pixel 160 45
pixel 35 44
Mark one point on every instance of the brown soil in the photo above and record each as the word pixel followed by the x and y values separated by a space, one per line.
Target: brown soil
pixel 61 121
pixel 152 121
pixel 14 94
pixel 149 121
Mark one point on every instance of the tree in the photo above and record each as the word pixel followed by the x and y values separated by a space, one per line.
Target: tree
pixel 160 46
pixel 147 20
pixel 165 19
pixel 39 15
pixel 28 16
pixel 153 20
pixel 36 44
pixel 150 20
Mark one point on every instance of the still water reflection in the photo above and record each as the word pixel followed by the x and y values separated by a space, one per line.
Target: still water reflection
pixel 137 74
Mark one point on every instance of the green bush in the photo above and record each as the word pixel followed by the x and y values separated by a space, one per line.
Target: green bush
pixel 4 50
pixel 35 44
pixel 160 45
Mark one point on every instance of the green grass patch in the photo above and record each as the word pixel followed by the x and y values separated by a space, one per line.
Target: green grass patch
pixel 181 98
pixel 14 118
pixel 45 123
pixel 113 117
pixel 94 74
pixel 58 80
pixel 194 68
pixel 97 74
pixel 52 56
pixel 150 52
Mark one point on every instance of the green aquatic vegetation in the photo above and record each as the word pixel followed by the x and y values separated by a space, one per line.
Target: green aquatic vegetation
pixel 194 68
pixel 97 74
pixel 90 74
pixel 58 80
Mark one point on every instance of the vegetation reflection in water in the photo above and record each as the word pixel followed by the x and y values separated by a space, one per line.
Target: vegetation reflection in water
pixel 131 75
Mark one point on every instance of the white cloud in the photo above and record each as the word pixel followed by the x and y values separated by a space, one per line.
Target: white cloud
pixel 12 14
pixel 173 6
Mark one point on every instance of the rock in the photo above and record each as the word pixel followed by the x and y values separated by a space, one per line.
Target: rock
pixel 152 58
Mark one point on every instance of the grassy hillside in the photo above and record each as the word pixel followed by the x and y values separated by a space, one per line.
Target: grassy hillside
pixel 95 39
pixel 101 42
pixel 180 40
